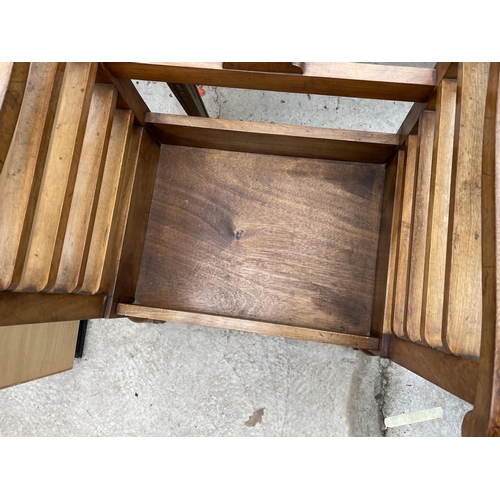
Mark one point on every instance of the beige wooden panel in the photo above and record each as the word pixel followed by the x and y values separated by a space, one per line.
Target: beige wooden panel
pixel 29 352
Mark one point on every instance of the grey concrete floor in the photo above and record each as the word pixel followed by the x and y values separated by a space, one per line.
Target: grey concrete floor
pixel 180 380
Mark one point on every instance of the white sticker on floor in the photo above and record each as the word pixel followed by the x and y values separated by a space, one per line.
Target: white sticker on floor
pixel 414 417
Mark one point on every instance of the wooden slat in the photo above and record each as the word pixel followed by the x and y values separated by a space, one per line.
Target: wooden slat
pixel 439 208
pixel 484 420
pixel 30 352
pixel 388 245
pixel 24 308
pixel 462 315
pixel 243 325
pixel 87 187
pixel 13 78
pixel 59 173
pixel 404 240
pixel 120 216
pixel 137 222
pixel 115 160
pixel 453 374
pixel 38 175
pixel 410 123
pixel 267 138
pixel 17 176
pixel 128 95
pixel 419 227
pixel 340 79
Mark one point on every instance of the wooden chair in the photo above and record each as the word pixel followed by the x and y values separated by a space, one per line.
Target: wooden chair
pixel 381 242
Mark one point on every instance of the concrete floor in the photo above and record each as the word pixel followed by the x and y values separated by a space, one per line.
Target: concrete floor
pixel 181 380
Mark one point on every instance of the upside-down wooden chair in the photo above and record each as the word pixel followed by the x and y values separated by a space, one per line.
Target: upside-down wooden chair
pixel 382 242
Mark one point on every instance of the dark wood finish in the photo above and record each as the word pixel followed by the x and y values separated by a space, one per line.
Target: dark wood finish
pixel 419 227
pixel 382 273
pixel 439 209
pixel 137 222
pixel 24 308
pixel 190 99
pixel 13 79
pixel 243 325
pixel 404 240
pixel 453 374
pixel 340 79
pixel 463 288
pixel 87 186
pixel 59 174
pixel 268 238
pixel 484 419
pixel 268 138
pixel 17 177
pixel 271 67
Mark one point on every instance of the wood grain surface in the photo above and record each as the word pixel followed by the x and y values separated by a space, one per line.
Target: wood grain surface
pixel 13 80
pixel 30 352
pixel 370 81
pixel 59 174
pixel 269 138
pixel 399 312
pixel 16 178
pixel 419 230
pixel 243 325
pixel 439 209
pixel 463 289
pixel 284 240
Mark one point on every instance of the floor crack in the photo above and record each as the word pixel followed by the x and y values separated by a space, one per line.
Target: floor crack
pixel 217 101
pixel 380 393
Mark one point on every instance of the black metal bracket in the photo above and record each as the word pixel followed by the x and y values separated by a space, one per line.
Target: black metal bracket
pixel 80 340
pixel 189 98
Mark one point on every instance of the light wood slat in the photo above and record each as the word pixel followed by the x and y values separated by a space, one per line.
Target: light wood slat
pixel 13 79
pixel 87 187
pixel 243 325
pixel 404 241
pixel 120 215
pixel 59 173
pixel 388 244
pixel 30 352
pixel 340 79
pixel 270 138
pixel 439 209
pixel 24 308
pixel 484 419
pixel 462 316
pixel 17 176
pixel 115 161
pixel 419 227
pixel 38 175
